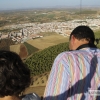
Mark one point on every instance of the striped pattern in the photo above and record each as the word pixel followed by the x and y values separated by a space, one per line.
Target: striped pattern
pixel 73 74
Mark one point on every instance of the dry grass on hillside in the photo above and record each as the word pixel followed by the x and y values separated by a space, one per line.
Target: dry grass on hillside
pixel 38 90
pixel 42 43
pixel 15 48
pixel 39 80
pixel 38 84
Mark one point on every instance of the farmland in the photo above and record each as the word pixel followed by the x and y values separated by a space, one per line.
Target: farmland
pixel 47 41
pixel 41 52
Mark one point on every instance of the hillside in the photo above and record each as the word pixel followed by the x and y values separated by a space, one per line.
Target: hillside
pixel 47 41
pixel 38 84
pixel 42 61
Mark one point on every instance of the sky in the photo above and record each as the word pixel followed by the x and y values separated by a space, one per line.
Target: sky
pixel 23 4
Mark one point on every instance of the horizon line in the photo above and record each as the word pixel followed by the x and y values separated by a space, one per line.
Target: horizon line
pixel 52 7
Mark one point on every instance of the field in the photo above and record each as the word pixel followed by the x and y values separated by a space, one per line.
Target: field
pixel 15 48
pixel 47 41
pixel 20 49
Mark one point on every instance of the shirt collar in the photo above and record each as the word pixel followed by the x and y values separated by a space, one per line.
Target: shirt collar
pixel 89 45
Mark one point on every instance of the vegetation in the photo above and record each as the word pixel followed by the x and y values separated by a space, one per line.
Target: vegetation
pixel 87 12
pixel 42 61
pixel 97 34
pixel 30 48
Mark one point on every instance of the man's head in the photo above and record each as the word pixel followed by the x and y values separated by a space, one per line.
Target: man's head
pixel 81 35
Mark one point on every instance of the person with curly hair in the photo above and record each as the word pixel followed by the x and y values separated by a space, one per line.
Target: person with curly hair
pixel 14 77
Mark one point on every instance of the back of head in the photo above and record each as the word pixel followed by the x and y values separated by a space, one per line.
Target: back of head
pixel 83 32
pixel 14 74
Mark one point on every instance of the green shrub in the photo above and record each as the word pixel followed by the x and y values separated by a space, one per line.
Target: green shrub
pixel 42 61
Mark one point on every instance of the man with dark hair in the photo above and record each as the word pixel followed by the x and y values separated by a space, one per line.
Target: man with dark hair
pixel 75 74
pixel 14 77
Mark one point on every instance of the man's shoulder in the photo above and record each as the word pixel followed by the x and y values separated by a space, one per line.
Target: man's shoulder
pixel 67 53
pixel 78 52
pixel 70 52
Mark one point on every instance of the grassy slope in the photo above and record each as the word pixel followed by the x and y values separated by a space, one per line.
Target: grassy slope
pixel 31 49
pixel 97 36
pixel 45 42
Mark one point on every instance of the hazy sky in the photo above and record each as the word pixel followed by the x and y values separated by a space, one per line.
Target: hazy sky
pixel 17 4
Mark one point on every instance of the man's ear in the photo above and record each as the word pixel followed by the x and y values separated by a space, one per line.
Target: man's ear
pixel 73 38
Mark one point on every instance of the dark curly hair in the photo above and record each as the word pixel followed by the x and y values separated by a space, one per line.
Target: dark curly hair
pixel 83 32
pixel 14 74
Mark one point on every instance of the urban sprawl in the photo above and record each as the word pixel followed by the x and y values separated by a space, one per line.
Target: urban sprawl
pixel 32 30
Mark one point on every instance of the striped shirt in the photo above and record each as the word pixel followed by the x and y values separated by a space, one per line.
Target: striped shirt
pixel 75 75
